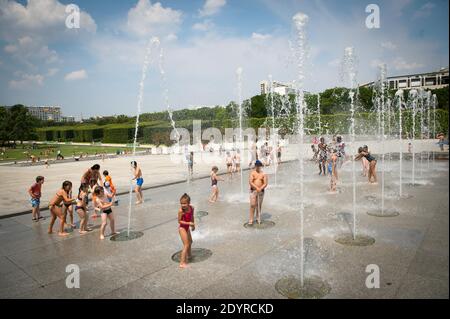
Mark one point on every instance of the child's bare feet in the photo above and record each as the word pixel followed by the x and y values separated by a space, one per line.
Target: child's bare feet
pixel 183 265
pixel 63 234
pixel 102 237
pixel 138 202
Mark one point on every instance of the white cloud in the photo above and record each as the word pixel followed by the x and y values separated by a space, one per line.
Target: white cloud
pixel 172 37
pixel 335 63
pixel 40 19
pixel 211 7
pixel 424 11
pixel 153 19
pixel 10 48
pixel 52 71
pixel 26 81
pixel 376 63
pixel 388 45
pixel 29 51
pixel 76 75
pixel 401 64
pixel 260 37
pixel 203 26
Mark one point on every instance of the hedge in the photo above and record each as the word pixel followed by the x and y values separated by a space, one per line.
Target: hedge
pixel 159 132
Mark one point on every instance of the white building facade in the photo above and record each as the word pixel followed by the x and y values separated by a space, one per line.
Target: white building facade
pixel 431 81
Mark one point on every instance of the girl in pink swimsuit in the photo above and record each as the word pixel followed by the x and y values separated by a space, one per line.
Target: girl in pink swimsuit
pixel 185 221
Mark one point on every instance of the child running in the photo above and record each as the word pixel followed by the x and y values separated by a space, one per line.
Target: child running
pixel 81 208
pixel 186 223
pixel 214 188
pixel 364 152
pixel 137 172
pixel 61 197
pixel 35 194
pixel 107 213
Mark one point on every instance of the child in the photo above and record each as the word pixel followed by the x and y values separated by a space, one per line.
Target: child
pixel 278 153
pixel 322 152
pixel 55 206
pixel 332 170
pixel 111 185
pixel 237 160
pixel 139 181
pixel 108 192
pixel 191 164
pixel 35 194
pixel 365 163
pixel 364 152
pixel 258 182
pixel 340 151
pixel 81 208
pixel 185 221
pixel 229 161
pixel 69 208
pixel 214 188
pixel 315 152
pixel 102 203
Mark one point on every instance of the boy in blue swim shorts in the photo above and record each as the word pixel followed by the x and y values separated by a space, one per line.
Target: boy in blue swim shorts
pixel 35 193
pixel 137 172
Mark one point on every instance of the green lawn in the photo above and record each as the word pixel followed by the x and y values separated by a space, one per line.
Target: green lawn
pixel 67 150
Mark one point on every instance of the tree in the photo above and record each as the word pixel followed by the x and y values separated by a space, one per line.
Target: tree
pixel 21 124
pixel 4 133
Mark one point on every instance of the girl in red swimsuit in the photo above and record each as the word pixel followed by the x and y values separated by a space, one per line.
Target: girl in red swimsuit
pixel 185 220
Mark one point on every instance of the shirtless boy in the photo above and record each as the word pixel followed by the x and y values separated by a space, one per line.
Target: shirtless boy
pixel 258 182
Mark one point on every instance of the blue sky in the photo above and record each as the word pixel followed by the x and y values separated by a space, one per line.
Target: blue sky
pixel 95 70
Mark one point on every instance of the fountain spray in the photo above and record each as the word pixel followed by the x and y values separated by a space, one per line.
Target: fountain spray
pixel 139 108
pixel 239 78
pixel 274 133
pixel 399 96
pixel 318 113
pixel 300 21
pixel 413 100
pixel 349 69
pixel 382 110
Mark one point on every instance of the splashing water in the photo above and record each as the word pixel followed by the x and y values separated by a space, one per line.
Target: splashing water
pixel 147 60
pixel 350 71
pixel 318 113
pixel 412 99
pixel 239 80
pixel 382 111
pixel 166 94
pixel 300 21
pixel 274 132
pixel 399 97
pixel 434 102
